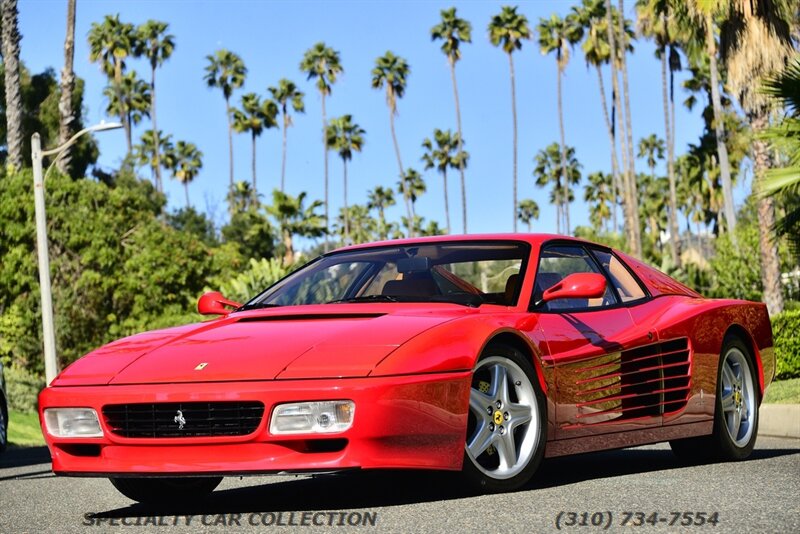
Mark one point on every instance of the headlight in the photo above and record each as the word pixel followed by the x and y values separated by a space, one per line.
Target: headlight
pixel 312 417
pixel 72 423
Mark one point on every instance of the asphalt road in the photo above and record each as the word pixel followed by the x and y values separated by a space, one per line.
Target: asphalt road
pixel 758 495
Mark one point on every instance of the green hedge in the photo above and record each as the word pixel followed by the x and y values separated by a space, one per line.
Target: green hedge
pixel 786 331
pixel 23 388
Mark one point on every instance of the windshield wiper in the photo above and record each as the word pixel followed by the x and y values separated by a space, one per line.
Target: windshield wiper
pixel 366 298
pixel 258 305
pixel 464 299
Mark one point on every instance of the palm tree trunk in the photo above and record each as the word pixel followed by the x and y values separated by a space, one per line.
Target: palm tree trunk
pixel 446 203
pixel 514 122
pixel 325 148
pixel 123 115
pixel 563 143
pixel 636 228
pixel 10 49
pixel 253 165
pixel 767 243
pixel 230 142
pixel 396 145
pixel 617 107
pixel 673 195
pixel 460 144
pixel 346 209
pixel 66 114
pixel 613 143
pixel 283 157
pixel 186 190
pixel 719 128
pixel 157 141
pixel 288 245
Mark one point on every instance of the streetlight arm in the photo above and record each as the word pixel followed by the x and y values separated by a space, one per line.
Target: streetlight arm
pixel 71 141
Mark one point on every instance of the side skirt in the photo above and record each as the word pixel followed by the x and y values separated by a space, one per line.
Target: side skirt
pixel 633 438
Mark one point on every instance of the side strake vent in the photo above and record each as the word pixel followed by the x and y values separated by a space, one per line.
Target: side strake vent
pixel 642 382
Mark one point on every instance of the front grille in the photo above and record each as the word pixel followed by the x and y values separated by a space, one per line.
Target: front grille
pixel 183 419
pixel 643 382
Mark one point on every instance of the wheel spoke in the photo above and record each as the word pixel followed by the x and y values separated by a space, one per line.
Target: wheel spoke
pixel 728 376
pixel 727 402
pixel 500 383
pixel 736 421
pixel 480 440
pixel 507 450
pixel 478 402
pixel 519 415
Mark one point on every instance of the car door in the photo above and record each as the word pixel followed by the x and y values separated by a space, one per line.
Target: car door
pixel 594 346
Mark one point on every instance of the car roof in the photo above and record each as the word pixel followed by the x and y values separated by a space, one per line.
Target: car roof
pixel 537 239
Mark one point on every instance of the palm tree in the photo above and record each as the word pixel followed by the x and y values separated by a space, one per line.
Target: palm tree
pixel 254 117
pixel 785 136
pixel 295 219
pixel 527 211
pixel 453 31
pixel 187 161
pixel 652 149
pixel 656 20
pixel 147 152
pixel 598 193
pixel 157 46
pixel 411 186
pixel 443 156
pixel 391 71
pixel 110 43
pixel 65 111
pixel 286 93
pixel 379 199
pixel 758 43
pixel 548 170
pixel 10 52
pixel 226 71
pixel 345 137
pixel 508 29
pixel 323 63
pixel 558 35
pixel 597 52
pixel 362 226
pixel 703 14
pixel 134 104
pixel 241 198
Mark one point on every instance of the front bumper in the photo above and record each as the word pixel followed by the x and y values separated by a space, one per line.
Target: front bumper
pixel 416 421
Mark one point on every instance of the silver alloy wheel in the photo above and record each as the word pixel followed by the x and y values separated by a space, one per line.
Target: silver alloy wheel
pixel 506 419
pixel 737 395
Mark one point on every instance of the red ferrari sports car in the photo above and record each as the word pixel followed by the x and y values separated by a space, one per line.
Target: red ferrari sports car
pixel 480 354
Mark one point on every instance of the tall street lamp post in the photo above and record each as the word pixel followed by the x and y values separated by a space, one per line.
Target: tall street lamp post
pixel 37 154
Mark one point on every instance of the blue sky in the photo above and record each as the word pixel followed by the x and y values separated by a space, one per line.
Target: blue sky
pixel 271 37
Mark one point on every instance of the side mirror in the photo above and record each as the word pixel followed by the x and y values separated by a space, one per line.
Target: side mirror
pixel 577 286
pixel 213 303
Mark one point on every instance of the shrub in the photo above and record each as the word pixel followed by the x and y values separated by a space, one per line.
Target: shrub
pixel 22 388
pixel 786 331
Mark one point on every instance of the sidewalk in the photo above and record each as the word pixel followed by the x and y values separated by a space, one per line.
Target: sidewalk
pixel 780 420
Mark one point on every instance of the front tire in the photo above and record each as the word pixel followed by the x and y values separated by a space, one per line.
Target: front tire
pixel 735 411
pixel 166 490
pixel 506 427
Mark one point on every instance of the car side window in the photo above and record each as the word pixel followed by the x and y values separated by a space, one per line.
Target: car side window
pixel 627 287
pixel 556 263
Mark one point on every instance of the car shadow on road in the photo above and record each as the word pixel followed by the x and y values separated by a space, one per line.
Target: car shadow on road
pixel 354 490
pixel 24 456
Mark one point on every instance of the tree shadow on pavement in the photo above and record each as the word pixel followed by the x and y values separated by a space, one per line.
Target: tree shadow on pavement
pixel 372 489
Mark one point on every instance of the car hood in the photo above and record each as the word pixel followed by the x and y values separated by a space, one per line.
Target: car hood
pixel 259 345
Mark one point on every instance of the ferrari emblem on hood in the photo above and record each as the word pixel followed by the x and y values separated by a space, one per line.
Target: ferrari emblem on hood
pixel 200 366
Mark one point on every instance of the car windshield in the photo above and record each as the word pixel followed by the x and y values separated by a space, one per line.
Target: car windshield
pixel 466 273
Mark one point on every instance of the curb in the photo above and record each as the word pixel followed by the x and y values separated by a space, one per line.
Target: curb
pixel 780 420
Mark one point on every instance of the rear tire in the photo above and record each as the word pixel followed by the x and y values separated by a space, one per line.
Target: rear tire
pixel 166 490
pixel 735 410
pixel 503 448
